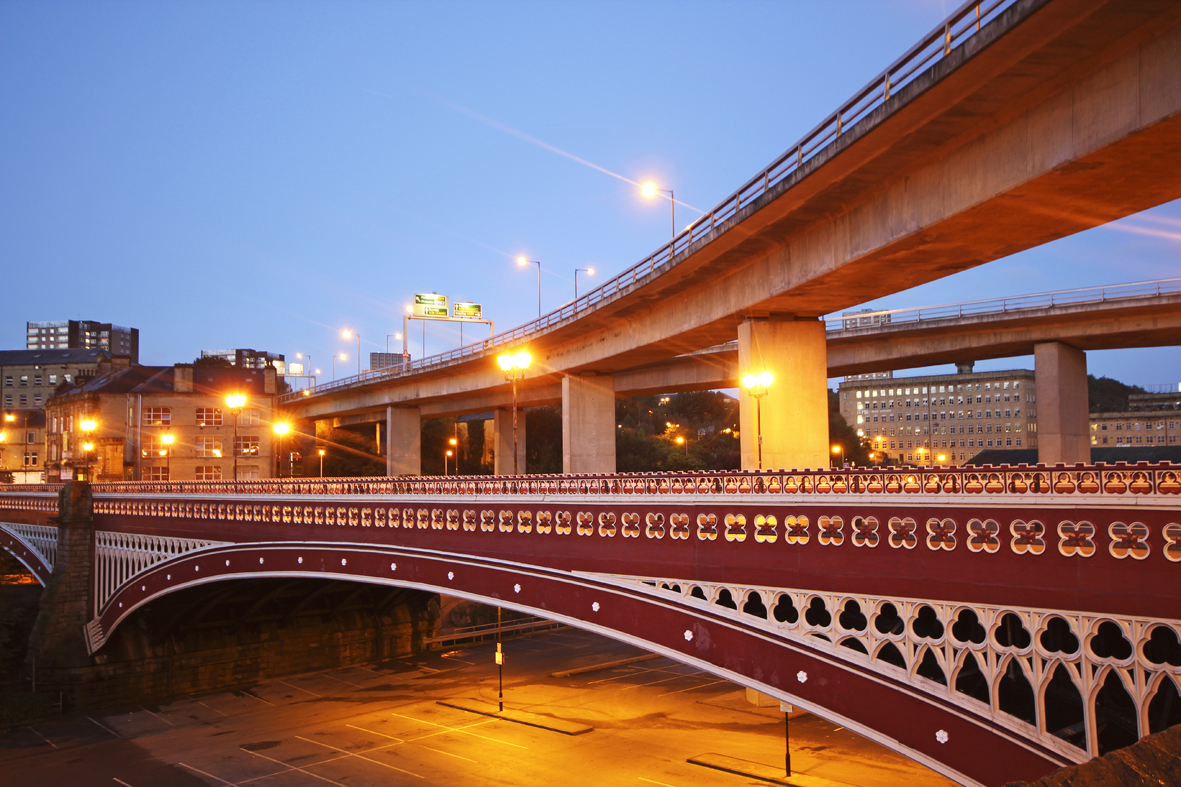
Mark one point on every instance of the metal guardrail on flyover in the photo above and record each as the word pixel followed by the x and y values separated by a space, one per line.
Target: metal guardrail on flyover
pixel 960 26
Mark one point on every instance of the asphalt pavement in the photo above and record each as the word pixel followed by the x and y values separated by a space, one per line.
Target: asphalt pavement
pixel 383 725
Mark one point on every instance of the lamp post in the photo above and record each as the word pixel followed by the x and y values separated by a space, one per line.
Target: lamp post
pixel 649 190
pixel 454 451
pixel 397 336
pixel 168 439
pixel 3 437
pixel 836 452
pixel 348 334
pixel 587 271
pixel 514 366
pixel 525 261
pixel 758 385
pixel 321 462
pixel 343 358
pixel 88 427
pixel 446 457
pixel 235 402
pixel 280 430
pixel 301 356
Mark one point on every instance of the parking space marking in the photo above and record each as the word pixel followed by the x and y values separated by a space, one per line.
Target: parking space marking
pixel 203 773
pixel 215 710
pixel 375 732
pixel 464 730
pixel 650 781
pixel 105 728
pixel 663 680
pixel 255 696
pixel 42 737
pixel 161 718
pixel 294 768
pixel 361 755
pixel 702 686
pixel 297 688
pixel 342 680
pixel 449 754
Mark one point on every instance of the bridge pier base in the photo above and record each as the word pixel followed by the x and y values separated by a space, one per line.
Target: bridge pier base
pixel 403 436
pixel 794 411
pixel 67 605
pixel 588 424
pixel 1060 384
pixel 502 441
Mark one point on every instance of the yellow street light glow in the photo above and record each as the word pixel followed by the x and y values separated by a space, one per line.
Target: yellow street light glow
pixel 410 310
pixel 749 381
pixel 88 446
pixel 282 428
pixel 217 452
pixel 648 189
pixel 448 452
pixel 522 260
pixel 680 440
pixel 322 452
pixel 234 401
pixel 765 379
pixel 306 392
pixel 836 449
pixel 168 439
pixel 521 360
pixel 9 417
pixel 346 334
pixel 453 441
pixel 343 357
pixel 163 452
pixel 590 271
pixel 3 436
pixel 89 426
pixel 506 362
pixel 942 457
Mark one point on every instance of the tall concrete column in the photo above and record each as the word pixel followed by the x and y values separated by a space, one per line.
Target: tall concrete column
pixel 403 435
pixel 795 408
pixel 588 424
pixel 1063 423
pixel 502 441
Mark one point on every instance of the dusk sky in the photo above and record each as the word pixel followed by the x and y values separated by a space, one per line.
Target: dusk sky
pixel 265 174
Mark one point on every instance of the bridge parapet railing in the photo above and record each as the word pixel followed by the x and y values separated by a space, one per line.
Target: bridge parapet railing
pixel 963 23
pixel 1023 480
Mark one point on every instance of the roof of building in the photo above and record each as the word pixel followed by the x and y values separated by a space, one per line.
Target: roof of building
pixel 1105 454
pixel 162 379
pixel 42 357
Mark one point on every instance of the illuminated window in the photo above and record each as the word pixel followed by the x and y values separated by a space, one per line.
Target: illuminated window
pixel 157 416
pixel 208 416
pixel 246 445
pixel 207 473
pixel 208 446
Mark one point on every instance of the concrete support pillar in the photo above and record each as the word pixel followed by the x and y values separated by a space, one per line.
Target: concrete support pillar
pixel 67 604
pixel 795 408
pixel 403 434
pixel 502 441
pixel 1063 423
pixel 588 424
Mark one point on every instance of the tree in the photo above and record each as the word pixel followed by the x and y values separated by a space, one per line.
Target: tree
pixel 347 455
pixel 1106 395
pixel 212 362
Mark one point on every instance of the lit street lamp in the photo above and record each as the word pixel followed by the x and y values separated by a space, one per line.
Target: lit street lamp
pixel 587 271
pixel 649 190
pixel 525 261
pixel 347 334
pixel 168 439
pixel 280 430
pixel 343 358
pixel 758 385
pixel 235 402
pixel 446 457
pixel 514 366
pixel 396 336
pixel 836 452
pixel 322 462
pixel 454 443
pixel 88 427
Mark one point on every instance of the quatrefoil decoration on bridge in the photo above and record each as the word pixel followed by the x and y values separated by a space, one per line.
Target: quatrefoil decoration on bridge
pixel 1028 537
pixel 941 534
pixel 707 527
pixel 680 526
pixel 631 525
pixel 1128 540
pixel 1076 538
pixel 902 533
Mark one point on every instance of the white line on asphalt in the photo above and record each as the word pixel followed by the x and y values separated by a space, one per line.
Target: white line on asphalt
pixel 375 732
pixel 449 754
pixel 361 756
pixel 458 729
pixel 297 688
pixel 662 784
pixel 158 716
pixel 342 680
pixel 215 710
pixel 627 675
pixel 42 737
pixel 838 729
pixel 203 773
pixel 255 696
pixel 125 784
pixel 664 680
pixel 106 728
pixel 295 768
pixel 691 688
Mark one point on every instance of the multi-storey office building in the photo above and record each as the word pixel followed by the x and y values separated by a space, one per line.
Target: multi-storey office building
pixel 157 423
pixel 22 446
pixel 83 335
pixel 943 419
pixel 1152 419
pixel 249 359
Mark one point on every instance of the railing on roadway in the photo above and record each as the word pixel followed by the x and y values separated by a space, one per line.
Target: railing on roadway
pixel 1016 303
pixel 518 626
pixel 961 25
pixel 1090 480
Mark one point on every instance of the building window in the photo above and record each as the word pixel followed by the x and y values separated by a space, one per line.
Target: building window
pixel 157 416
pixel 207 473
pixel 246 445
pixel 8 380
pixel 31 438
pixel 248 418
pixel 155 473
pixel 248 473
pixel 37 380
pixel 53 379
pixel 24 400
pixel 8 400
pixel 37 400
pixel 31 459
pixel 24 380
pixel 208 446
pixel 208 416
pixel 152 446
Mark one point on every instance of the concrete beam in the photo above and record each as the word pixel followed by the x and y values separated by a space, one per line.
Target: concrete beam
pixel 502 441
pixel 588 424
pixel 794 410
pixel 1060 383
pixel 403 434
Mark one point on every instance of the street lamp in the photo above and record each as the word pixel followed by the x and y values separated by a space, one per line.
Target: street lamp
pixel 88 427
pixel 454 443
pixel 649 190
pixel 514 366
pixel 321 462
pixel 347 334
pixel 301 356
pixel 343 358
pixel 168 439
pixel 525 261
pixel 236 402
pixel 280 430
pixel 587 271
pixel 446 456
pixel 836 452
pixel 758 385
pixel 397 336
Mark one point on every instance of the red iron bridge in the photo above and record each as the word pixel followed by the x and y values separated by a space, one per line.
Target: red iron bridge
pixel 992 623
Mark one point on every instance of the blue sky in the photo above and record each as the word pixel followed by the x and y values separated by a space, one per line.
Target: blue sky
pixel 264 174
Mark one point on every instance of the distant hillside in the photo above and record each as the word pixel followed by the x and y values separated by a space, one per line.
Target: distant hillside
pixel 1109 396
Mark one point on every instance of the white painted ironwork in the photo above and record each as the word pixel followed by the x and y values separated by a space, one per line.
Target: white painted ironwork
pixel 863 629
pixel 120 557
pixel 41 539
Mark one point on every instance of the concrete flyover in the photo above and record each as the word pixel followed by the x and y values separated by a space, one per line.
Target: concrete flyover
pixel 1047 118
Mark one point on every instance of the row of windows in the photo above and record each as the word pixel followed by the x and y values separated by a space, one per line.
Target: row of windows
pixel 943 416
pixel 37 380
pixel 244 445
pixel 1008 442
pixel 1137 426
pixel 24 400
pixel 937 402
pixel 204 416
pixel 875 393
pixel 201 473
pixel 970 429
pixel 1139 440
